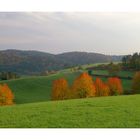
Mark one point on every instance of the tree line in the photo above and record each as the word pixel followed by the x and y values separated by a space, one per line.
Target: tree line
pixel 131 62
pixel 8 75
pixel 84 86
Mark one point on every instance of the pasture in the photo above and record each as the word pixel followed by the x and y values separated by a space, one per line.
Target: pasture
pixel 39 88
pixel 98 112
pixel 36 89
pixel 121 73
pixel 33 108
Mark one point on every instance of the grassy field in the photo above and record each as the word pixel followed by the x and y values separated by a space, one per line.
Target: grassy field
pixel 96 64
pixel 97 112
pixel 36 89
pixel 84 67
pixel 127 84
pixel 34 109
pixel 121 73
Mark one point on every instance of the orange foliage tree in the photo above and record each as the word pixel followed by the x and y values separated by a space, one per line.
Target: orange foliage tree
pixel 102 89
pixel 136 83
pixel 105 90
pixel 83 86
pixel 6 95
pixel 60 90
pixel 115 86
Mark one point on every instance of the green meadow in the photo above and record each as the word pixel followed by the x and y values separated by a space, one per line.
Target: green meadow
pixel 38 88
pixel 121 73
pixel 34 108
pixel 98 112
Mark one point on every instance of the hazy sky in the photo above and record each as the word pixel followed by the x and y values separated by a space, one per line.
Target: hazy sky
pixel 108 33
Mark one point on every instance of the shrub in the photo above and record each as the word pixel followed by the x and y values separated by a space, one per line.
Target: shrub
pixel 6 95
pixel 60 89
pixel 83 86
pixel 136 83
pixel 115 86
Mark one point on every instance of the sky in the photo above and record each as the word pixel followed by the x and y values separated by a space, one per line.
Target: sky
pixel 57 32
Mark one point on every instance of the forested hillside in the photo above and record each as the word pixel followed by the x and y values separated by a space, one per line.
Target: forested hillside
pixel 33 62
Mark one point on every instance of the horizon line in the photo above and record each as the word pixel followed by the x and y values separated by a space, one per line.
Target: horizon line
pixel 43 51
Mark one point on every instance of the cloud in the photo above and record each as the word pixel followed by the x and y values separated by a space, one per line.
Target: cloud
pixel 109 33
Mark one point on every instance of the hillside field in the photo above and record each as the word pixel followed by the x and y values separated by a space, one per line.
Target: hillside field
pixel 33 108
pixel 121 73
pixel 37 89
pixel 98 112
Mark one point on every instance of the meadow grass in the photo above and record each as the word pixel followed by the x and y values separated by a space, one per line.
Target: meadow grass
pixel 33 108
pixel 96 112
pixel 36 89
pixel 39 88
pixel 121 73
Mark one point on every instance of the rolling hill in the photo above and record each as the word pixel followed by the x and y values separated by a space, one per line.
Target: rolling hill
pixel 39 88
pixel 36 88
pixel 33 62
pixel 33 108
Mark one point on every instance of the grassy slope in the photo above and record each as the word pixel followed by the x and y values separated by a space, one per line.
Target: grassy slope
pixel 121 73
pixel 36 89
pixel 126 83
pixel 108 112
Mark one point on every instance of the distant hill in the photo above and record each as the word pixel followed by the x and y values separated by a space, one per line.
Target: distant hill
pixel 32 62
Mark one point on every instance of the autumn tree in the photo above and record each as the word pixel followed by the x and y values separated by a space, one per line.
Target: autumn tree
pixel 115 86
pixel 105 90
pixel 83 86
pixel 6 95
pixel 102 89
pixel 136 83
pixel 60 89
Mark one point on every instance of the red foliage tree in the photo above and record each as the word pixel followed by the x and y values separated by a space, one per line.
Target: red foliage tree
pixel 83 86
pixel 6 95
pixel 60 89
pixel 115 86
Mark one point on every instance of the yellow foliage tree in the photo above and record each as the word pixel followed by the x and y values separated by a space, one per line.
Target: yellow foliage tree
pixel 83 86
